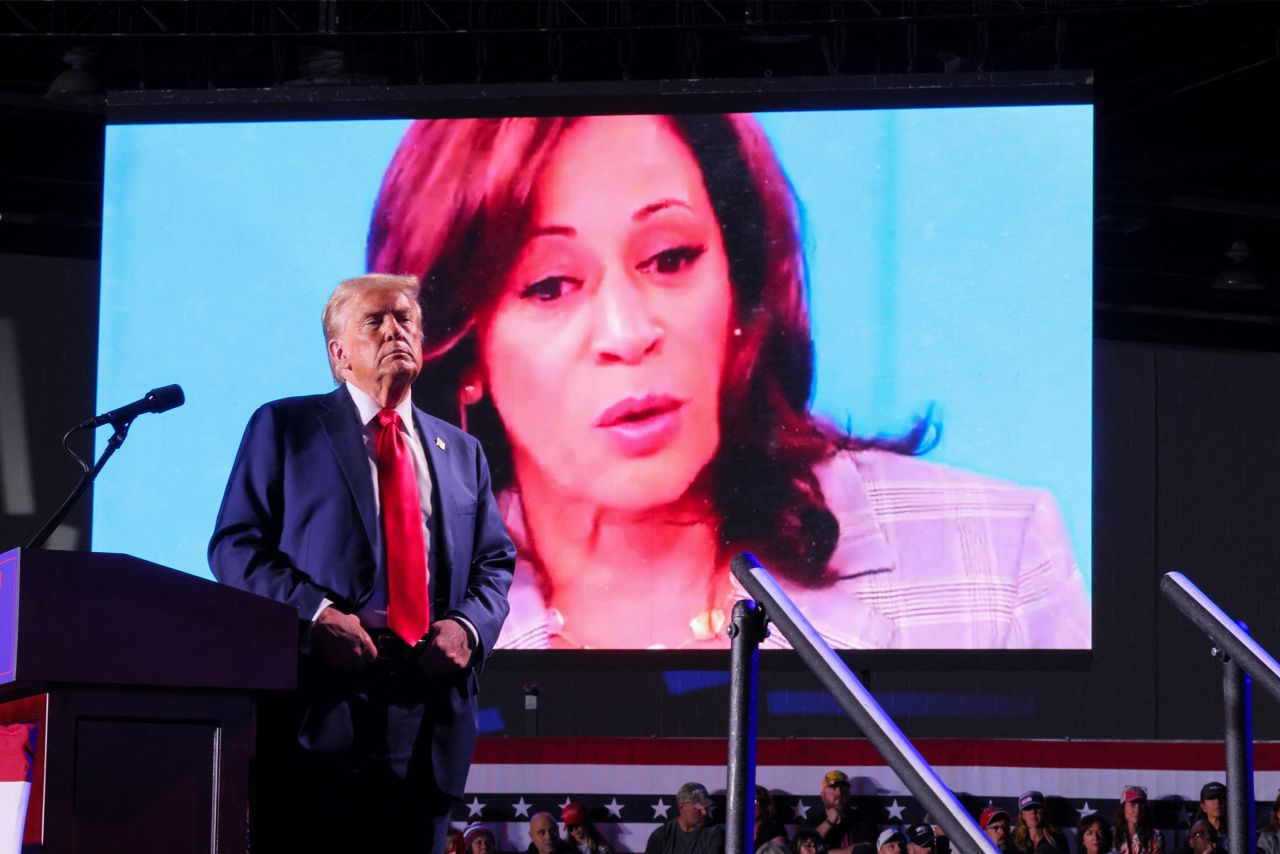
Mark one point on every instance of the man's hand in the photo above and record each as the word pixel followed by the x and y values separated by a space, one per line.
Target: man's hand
pixel 833 816
pixel 448 648
pixel 341 642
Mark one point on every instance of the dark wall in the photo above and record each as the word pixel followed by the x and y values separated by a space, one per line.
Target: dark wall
pixel 48 347
pixel 1186 474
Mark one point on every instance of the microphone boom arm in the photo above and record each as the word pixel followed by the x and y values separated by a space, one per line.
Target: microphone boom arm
pixel 86 478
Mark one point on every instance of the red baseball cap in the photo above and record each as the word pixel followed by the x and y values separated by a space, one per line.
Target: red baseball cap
pixel 991 813
pixel 574 813
pixel 1133 793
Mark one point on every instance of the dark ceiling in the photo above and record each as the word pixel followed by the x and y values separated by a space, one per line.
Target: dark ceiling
pixel 1186 94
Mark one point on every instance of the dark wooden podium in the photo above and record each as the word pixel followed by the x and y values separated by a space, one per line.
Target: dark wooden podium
pixel 142 683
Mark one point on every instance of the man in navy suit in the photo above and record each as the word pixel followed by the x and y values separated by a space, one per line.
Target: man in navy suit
pixel 385 718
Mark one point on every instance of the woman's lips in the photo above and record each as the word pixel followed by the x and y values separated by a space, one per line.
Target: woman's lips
pixel 639 426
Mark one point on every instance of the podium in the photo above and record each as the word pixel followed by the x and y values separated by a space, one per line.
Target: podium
pixel 141 682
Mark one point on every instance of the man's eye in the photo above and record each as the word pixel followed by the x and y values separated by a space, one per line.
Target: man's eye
pixel 671 261
pixel 550 289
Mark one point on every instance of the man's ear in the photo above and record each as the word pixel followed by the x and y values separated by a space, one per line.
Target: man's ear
pixel 338 355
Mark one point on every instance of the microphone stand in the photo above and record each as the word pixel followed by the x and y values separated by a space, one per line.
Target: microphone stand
pixel 86 478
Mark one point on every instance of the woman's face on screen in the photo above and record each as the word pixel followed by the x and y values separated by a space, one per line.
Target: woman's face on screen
pixel 605 350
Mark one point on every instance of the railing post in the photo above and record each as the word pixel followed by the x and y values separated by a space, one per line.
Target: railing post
pixel 1237 704
pixel 746 631
pixel 856 700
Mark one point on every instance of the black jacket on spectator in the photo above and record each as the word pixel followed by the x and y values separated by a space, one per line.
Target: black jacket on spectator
pixel 705 839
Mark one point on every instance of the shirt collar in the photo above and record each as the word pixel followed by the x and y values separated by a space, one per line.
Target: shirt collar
pixel 369 408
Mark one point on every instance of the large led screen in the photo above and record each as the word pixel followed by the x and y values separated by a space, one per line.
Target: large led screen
pixel 856 343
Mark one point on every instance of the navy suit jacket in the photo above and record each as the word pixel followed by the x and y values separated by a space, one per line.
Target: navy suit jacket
pixel 298 524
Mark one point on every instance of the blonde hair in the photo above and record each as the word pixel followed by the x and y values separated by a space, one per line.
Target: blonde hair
pixel 334 319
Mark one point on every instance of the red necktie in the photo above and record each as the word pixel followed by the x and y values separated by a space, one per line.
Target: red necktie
pixel 408 612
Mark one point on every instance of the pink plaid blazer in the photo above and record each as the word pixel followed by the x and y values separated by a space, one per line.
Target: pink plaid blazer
pixel 929 557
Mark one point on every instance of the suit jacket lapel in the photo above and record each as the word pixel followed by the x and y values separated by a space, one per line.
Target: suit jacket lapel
pixel 342 425
pixel 443 486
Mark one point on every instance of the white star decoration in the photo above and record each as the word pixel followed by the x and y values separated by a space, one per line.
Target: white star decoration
pixel 661 809
pixel 474 807
pixel 521 808
pixel 895 810
pixel 614 808
pixel 567 800
pixel 1085 810
pixel 1184 815
pixel 801 811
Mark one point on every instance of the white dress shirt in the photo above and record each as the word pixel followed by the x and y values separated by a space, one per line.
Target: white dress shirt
pixel 374 613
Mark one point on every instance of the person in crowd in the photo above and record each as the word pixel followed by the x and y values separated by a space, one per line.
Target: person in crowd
pixel 1269 834
pixel 767 826
pixel 453 841
pixel 1133 830
pixel 1213 809
pixel 842 827
pixel 376 522
pixel 809 841
pixel 623 322
pixel 774 846
pixel 688 832
pixel 995 822
pixel 921 839
pixel 478 839
pixel 544 836
pixel 1034 831
pixel 1093 835
pixel 1202 838
pixel 581 832
pixel 891 840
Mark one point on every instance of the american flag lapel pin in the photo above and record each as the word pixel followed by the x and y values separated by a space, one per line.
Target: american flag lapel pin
pixel 439 443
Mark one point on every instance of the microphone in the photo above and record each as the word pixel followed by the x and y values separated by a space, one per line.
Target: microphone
pixel 157 400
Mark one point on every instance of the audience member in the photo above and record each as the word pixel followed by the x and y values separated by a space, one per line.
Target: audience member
pixel 995 822
pixel 545 836
pixel 809 841
pixel 1133 829
pixel 891 841
pixel 842 827
pixel 767 827
pixel 688 832
pixel 1035 831
pixel 921 839
pixel 1213 809
pixel 1093 836
pixel 1202 838
pixel 453 841
pixel 941 844
pixel 478 839
pixel 1269 836
pixel 581 832
pixel 774 846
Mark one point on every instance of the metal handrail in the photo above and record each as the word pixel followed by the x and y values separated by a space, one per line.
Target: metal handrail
pixel 1242 658
pixel 1225 633
pixel 848 691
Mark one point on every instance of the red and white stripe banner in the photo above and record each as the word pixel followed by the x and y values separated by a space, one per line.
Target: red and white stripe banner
pixel 629 784
pixel 16 748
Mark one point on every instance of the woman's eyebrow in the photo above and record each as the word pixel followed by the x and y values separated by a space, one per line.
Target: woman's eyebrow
pixel 662 204
pixel 554 231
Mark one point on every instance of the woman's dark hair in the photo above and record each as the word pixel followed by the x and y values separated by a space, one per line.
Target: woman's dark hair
pixel 1273 824
pixel 1104 842
pixel 1145 831
pixel 810 835
pixel 453 210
